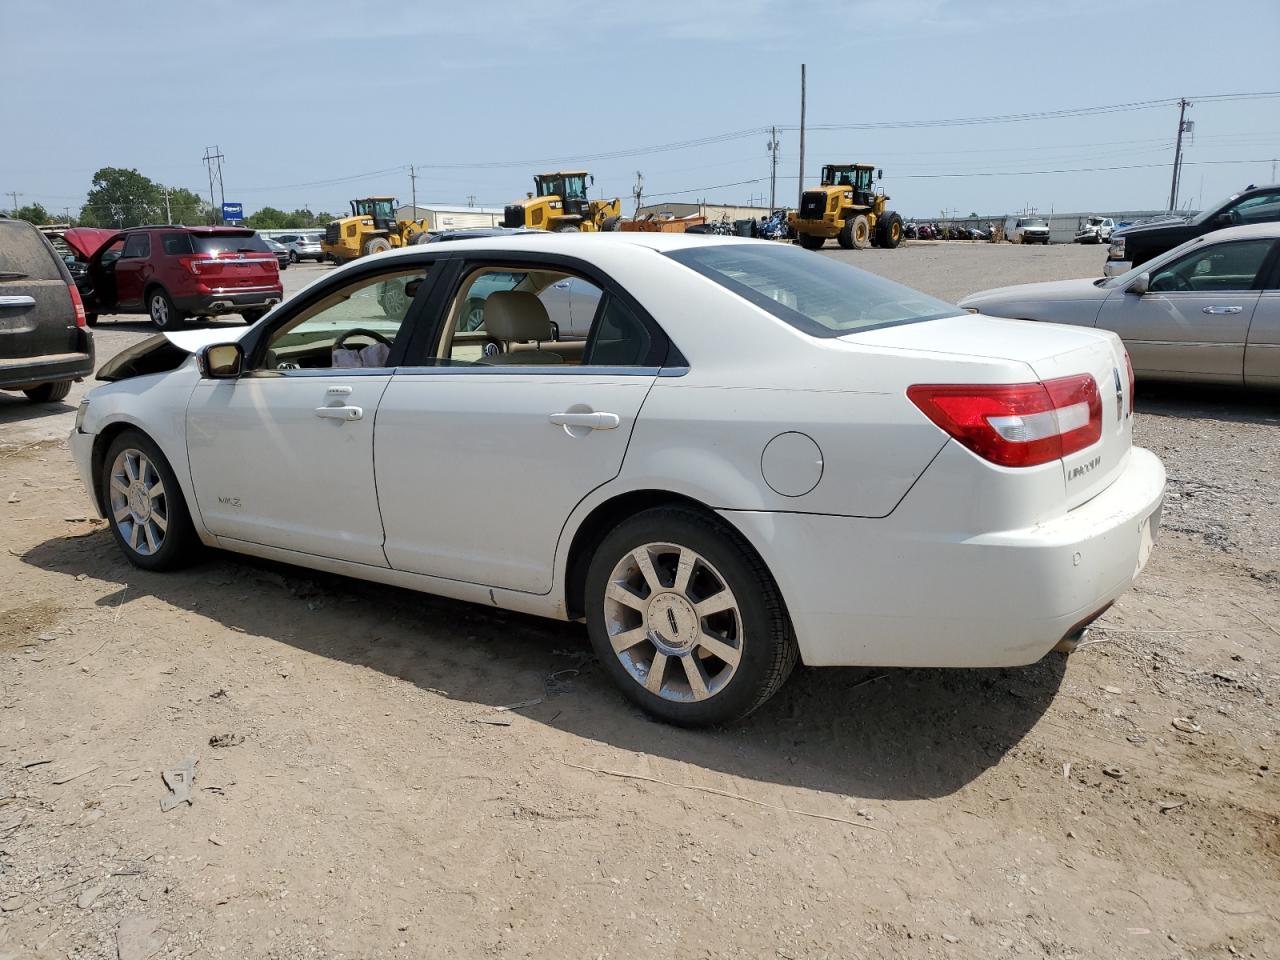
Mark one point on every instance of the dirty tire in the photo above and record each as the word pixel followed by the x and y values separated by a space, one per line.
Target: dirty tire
pixel 812 242
pixel 49 392
pixel 889 230
pixel 569 228
pixel 860 232
pixel 766 648
pixel 180 546
pixel 252 316
pixel 91 319
pixel 376 245
pixel 610 224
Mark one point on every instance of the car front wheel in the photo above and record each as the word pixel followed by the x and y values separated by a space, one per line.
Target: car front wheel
pixel 686 619
pixel 145 506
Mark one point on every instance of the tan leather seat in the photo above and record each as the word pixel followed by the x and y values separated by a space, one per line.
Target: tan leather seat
pixel 517 316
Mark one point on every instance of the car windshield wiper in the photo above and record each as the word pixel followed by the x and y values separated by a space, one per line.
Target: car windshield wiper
pixel 12 275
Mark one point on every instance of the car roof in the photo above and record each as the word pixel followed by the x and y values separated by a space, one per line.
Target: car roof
pixel 574 244
pixel 1249 231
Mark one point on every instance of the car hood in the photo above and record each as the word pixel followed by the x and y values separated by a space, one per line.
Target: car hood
pixel 1155 227
pixel 86 241
pixel 164 351
pixel 1055 290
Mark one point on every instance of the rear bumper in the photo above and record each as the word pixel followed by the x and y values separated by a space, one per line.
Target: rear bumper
pixel 230 301
pixel 864 592
pixel 26 372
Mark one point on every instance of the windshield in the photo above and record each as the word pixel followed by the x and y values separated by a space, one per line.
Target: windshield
pixel 572 186
pixel 1036 222
pixel 816 294
pixel 859 179
pixel 228 243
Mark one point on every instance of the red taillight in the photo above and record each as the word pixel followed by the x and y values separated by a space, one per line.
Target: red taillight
pixel 1128 365
pixel 77 303
pixel 1018 424
pixel 194 263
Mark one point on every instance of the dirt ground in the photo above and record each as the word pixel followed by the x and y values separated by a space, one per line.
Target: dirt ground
pixel 404 776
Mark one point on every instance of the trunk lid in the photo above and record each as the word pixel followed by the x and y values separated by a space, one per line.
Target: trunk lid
pixel 37 316
pixel 229 259
pixel 1047 351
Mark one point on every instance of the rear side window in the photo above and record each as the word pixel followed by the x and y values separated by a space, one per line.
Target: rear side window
pixel 228 243
pixel 618 338
pixel 24 255
pixel 176 244
pixel 818 295
pixel 137 245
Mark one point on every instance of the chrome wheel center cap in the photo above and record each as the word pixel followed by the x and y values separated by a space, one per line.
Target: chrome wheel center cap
pixel 139 502
pixel 672 623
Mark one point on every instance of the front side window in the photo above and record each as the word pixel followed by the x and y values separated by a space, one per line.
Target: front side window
pixel 1223 267
pixel 818 295
pixel 1260 208
pixel 354 326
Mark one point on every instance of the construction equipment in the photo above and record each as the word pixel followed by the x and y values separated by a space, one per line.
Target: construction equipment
pixel 846 206
pixel 371 228
pixel 561 204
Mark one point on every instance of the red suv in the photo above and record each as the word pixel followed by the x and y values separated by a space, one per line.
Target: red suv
pixel 175 272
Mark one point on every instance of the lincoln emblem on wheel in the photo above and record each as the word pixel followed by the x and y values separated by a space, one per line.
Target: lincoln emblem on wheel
pixel 723 456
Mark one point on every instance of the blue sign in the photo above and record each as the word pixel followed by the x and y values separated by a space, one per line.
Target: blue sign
pixel 232 212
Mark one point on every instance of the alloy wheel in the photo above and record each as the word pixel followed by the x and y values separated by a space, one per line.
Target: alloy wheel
pixel 139 505
pixel 159 310
pixel 673 622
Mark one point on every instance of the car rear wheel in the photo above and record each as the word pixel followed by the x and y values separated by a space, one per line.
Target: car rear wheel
pixel 293 256
pixel 377 245
pixel 686 619
pixel 49 392
pixel 811 242
pixel 252 316
pixel 161 309
pixel 144 505
pixel 91 319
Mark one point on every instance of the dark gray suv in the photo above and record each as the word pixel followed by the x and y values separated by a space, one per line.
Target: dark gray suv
pixel 44 343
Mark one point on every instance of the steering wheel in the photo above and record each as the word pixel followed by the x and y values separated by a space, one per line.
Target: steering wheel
pixel 1175 282
pixel 341 342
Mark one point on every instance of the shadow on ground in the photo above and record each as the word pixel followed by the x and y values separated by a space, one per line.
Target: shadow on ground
pixel 16 408
pixel 1201 402
pixel 892 734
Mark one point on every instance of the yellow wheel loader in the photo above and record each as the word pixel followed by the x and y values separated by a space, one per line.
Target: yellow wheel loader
pixel 561 204
pixel 371 228
pixel 847 207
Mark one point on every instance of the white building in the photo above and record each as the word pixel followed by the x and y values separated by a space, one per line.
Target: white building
pixel 440 217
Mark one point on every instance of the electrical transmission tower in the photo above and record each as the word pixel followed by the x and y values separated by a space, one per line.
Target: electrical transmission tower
pixel 213 158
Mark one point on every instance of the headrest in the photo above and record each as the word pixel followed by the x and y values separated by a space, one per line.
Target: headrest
pixel 516 315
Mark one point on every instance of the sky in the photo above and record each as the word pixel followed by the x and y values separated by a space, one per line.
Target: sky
pixel 315 102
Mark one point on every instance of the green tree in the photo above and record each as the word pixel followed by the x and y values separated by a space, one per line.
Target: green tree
pixel 185 206
pixel 33 213
pixel 268 218
pixel 121 197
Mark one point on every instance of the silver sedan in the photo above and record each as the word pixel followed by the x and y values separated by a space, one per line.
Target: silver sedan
pixel 1208 310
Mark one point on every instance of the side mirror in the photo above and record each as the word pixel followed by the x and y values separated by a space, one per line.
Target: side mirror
pixel 221 361
pixel 879 174
pixel 1140 285
pixel 1223 220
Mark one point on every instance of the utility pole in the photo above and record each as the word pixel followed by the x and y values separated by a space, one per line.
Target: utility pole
pixel 1273 170
pixel 772 147
pixel 471 199
pixel 213 160
pixel 413 179
pixel 1177 153
pixel 800 195
pixel 168 214
pixel 637 191
pixel 15 195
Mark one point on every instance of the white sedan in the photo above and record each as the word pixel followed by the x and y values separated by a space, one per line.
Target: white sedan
pixel 755 455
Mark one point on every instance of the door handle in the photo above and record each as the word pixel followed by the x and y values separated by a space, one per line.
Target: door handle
pixel 562 285
pixel 1220 311
pixel 340 413
pixel 17 301
pixel 593 421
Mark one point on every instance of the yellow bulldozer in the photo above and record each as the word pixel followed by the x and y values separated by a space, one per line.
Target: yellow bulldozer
pixel 847 207
pixel 371 228
pixel 561 204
